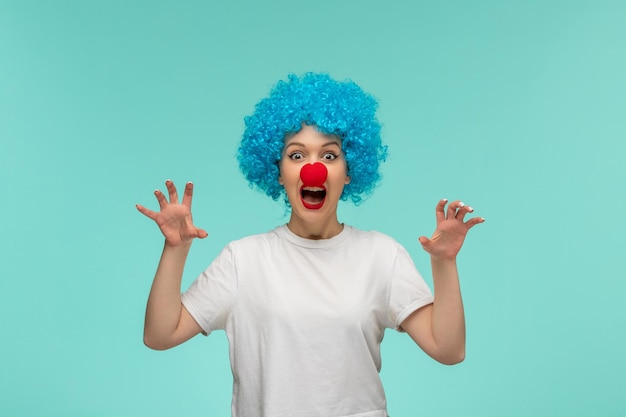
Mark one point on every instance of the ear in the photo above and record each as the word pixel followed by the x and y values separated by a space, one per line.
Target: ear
pixel 347 180
pixel 280 174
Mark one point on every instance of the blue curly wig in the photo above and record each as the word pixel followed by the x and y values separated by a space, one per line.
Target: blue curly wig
pixel 332 107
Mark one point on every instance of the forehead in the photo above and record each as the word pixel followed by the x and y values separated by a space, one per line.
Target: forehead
pixel 310 136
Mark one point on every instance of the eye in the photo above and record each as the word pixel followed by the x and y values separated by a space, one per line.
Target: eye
pixel 296 156
pixel 329 156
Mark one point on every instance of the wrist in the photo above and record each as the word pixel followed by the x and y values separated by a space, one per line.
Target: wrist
pixel 442 261
pixel 177 247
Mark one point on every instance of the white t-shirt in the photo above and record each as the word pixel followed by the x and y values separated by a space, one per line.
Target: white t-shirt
pixel 305 318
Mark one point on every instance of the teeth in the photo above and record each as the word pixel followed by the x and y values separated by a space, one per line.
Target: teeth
pixel 313 188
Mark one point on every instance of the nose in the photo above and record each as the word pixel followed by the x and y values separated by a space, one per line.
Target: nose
pixel 314 175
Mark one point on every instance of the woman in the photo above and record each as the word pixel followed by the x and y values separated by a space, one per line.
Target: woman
pixel 305 305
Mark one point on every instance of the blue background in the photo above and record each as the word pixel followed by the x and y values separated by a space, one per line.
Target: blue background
pixel 515 107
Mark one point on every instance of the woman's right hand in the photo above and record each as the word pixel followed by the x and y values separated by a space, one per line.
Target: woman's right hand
pixel 174 219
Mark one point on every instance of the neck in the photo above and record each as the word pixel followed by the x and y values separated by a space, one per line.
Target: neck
pixel 315 231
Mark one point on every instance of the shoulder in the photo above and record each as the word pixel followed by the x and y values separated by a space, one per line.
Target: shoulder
pixel 371 235
pixel 374 239
pixel 257 241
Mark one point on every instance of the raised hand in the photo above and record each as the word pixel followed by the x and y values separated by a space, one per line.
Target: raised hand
pixel 174 219
pixel 451 230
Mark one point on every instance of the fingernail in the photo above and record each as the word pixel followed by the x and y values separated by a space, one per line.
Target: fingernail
pixel 461 204
pixel 444 199
pixel 470 209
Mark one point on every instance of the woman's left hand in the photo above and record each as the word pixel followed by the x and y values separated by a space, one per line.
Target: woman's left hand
pixel 451 230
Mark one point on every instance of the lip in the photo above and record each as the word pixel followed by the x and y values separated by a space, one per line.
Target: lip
pixel 312 206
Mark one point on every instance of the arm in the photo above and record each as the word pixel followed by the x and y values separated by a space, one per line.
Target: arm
pixel 167 322
pixel 439 329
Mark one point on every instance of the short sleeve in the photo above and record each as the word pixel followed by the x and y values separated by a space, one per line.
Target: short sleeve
pixel 409 292
pixel 211 297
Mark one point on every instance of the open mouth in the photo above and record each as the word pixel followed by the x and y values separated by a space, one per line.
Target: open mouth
pixel 313 197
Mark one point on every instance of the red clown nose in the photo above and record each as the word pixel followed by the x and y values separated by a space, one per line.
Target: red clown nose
pixel 314 175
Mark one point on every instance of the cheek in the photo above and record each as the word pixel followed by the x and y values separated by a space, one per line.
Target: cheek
pixel 344 174
pixel 288 173
pixel 339 177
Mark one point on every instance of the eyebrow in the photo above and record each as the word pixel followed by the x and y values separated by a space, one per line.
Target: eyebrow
pixel 329 143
